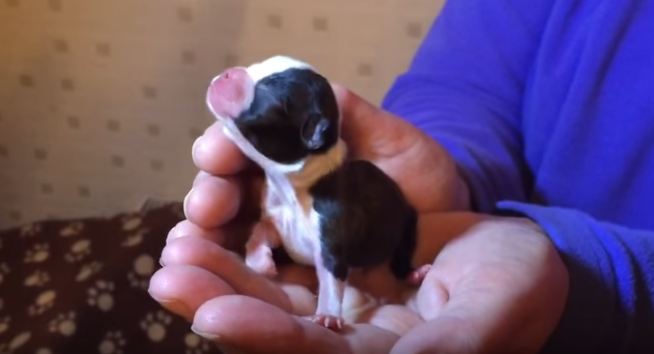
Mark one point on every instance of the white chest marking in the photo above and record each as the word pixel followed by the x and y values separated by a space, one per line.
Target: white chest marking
pixel 297 224
pixel 299 228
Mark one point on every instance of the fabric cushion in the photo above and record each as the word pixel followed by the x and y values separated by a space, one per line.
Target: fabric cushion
pixel 80 286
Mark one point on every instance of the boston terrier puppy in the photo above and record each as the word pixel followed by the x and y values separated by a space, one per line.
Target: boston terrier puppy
pixel 326 211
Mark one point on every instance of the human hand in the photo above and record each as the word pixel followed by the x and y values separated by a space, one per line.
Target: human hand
pixel 497 285
pixel 226 187
pixel 423 169
pixel 225 191
pixel 204 279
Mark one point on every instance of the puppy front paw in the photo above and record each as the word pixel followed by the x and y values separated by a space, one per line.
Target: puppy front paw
pixel 332 322
pixel 262 263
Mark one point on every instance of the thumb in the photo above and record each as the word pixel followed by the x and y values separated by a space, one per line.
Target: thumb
pixel 484 325
pixel 499 287
pixel 370 132
pixel 466 326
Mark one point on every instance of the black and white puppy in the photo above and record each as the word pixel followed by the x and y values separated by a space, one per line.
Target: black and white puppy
pixel 329 212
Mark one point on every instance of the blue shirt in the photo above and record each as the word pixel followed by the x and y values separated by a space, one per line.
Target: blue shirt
pixel 548 108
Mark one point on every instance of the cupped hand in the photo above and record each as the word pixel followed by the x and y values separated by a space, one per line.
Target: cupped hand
pixel 498 285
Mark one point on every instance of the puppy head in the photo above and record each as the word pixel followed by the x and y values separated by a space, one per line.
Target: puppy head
pixel 281 108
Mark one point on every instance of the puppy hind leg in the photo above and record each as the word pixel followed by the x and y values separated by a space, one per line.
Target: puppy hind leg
pixel 330 294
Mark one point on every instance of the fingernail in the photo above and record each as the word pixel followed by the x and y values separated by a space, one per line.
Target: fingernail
pixel 172 234
pixel 195 147
pixel 200 177
pixel 175 233
pixel 201 332
pixel 185 203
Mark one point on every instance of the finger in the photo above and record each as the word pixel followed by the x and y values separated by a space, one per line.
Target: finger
pixel 201 176
pixel 213 201
pixel 186 228
pixel 253 326
pixel 214 153
pixel 183 288
pixel 358 119
pixel 226 265
pixel 293 294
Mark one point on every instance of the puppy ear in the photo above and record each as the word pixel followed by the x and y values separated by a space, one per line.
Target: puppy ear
pixel 313 131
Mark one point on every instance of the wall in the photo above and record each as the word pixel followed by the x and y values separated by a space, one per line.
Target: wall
pixel 100 101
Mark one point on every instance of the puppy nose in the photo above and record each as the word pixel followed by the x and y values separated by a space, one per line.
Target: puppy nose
pixel 230 93
pixel 233 73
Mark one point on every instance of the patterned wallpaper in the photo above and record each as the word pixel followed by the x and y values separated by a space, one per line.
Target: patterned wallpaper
pixel 100 101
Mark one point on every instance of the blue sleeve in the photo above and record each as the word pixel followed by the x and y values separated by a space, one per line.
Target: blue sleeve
pixel 464 88
pixel 610 303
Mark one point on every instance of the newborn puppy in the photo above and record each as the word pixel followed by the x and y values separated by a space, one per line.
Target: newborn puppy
pixel 326 211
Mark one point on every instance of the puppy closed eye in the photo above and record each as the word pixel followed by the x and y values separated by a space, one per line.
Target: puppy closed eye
pixel 313 131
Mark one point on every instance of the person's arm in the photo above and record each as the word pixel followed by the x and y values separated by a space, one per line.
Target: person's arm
pixel 464 88
pixel 610 302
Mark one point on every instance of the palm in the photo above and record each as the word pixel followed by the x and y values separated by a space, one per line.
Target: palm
pixel 371 327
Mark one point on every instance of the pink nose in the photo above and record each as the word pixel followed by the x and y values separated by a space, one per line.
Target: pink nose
pixel 230 93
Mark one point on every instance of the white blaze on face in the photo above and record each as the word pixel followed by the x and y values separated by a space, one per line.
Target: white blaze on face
pixel 274 65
